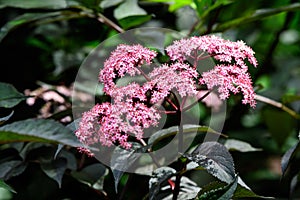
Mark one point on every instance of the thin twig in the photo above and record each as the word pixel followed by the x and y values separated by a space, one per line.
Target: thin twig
pixel 278 105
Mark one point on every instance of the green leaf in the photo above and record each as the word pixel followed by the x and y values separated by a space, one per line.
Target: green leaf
pixel 9 96
pixel 38 130
pixel 128 8
pixel 33 4
pixel 132 21
pixel 289 98
pixel 122 160
pixel 205 7
pixel 92 175
pixel 172 131
pixel 11 168
pixel 35 18
pixel 7 187
pixel 257 15
pixel 280 124
pixel 109 3
pixel 216 159
pixel 158 178
pixel 237 145
pixel 243 193
pixel 217 191
pixel 55 169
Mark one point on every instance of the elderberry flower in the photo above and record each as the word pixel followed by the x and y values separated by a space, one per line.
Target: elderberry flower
pixel 125 59
pixel 179 77
pixel 110 124
pixel 231 75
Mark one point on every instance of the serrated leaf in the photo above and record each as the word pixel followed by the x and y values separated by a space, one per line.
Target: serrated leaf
pixel 237 145
pixel 218 191
pixel 216 159
pixel 159 176
pixel 91 174
pixel 9 96
pixel 7 187
pixel 55 169
pixel 33 4
pixel 11 168
pixel 288 157
pixel 128 8
pixel 38 130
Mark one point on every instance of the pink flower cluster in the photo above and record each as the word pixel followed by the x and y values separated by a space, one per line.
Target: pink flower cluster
pixel 132 110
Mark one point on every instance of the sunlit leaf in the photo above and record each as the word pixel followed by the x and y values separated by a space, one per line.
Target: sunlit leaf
pixel 109 3
pixel 38 130
pixel 9 96
pixel 7 187
pixel 31 4
pixel 237 145
pixel 216 159
pixel 128 8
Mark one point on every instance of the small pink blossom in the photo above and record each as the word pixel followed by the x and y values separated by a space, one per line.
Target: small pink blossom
pixel 230 78
pixel 179 77
pixel 125 59
pixel 221 49
pixel 113 123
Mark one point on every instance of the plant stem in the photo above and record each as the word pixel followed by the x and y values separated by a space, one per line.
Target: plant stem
pixel 278 105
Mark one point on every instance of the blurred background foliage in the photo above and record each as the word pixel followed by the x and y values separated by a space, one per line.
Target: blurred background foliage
pixel 43 43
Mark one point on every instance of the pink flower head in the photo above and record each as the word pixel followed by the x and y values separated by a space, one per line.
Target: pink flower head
pixel 179 77
pixel 231 75
pixel 125 59
pixel 221 49
pixel 112 123
pixel 230 78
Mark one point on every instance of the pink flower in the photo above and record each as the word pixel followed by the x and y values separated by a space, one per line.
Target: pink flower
pixel 178 77
pixel 231 75
pixel 131 110
pixel 222 50
pixel 112 123
pixel 125 59
pixel 230 78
